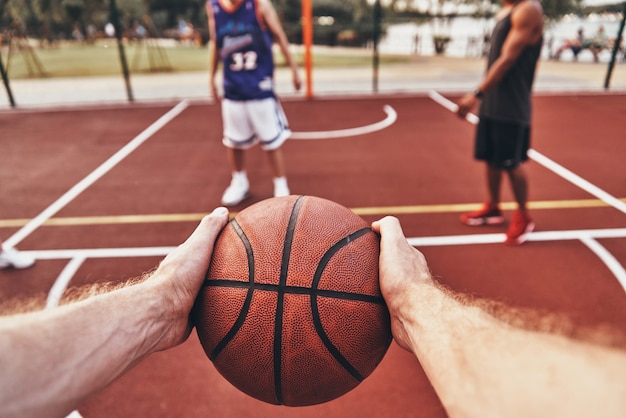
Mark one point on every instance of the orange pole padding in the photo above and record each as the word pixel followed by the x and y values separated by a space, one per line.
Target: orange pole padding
pixel 307 40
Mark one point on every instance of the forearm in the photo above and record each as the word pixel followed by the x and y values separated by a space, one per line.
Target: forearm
pixel 275 27
pixel 51 379
pixel 284 49
pixel 213 62
pixel 51 361
pixel 482 367
pixel 495 74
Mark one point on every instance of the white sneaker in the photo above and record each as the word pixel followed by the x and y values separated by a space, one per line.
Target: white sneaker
pixel 10 257
pixel 238 190
pixel 280 187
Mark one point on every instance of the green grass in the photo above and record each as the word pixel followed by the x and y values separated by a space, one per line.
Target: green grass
pixel 103 59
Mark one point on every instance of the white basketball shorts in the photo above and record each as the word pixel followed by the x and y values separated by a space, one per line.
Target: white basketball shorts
pixel 250 122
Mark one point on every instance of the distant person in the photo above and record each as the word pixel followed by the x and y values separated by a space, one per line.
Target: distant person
pixel 598 43
pixel 77 34
pixel 109 30
pixel 11 258
pixel 186 32
pixel 241 38
pixel 503 133
pixel 137 31
pixel 486 41
pixel 92 33
pixel 182 27
pixel 576 45
pixel 416 44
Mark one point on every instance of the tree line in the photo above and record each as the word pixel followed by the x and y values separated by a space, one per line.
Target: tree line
pixel 346 18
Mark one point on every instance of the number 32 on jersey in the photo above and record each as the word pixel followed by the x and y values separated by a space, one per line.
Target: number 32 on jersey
pixel 243 61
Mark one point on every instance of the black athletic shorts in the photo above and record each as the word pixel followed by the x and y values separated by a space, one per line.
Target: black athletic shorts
pixel 502 145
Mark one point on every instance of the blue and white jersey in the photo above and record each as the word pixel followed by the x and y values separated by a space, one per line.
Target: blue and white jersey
pixel 245 47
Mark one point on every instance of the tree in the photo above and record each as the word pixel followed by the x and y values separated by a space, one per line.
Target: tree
pixel 554 9
pixel 39 16
pixel 174 10
pixel 74 9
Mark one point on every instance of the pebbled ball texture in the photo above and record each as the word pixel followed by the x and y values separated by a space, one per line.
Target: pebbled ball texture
pixel 291 311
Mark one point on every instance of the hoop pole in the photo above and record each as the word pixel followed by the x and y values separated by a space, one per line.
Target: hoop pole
pixel 616 46
pixel 376 37
pixel 115 18
pixel 307 41
pixel 7 86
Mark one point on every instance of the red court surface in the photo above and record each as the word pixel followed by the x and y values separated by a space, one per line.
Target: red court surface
pixel 410 158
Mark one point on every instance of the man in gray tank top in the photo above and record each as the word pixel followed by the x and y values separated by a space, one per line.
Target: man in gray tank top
pixel 503 133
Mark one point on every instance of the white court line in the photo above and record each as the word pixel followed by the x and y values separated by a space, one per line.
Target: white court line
pixel 577 180
pixel 587 238
pixel 473 239
pixel 544 161
pixel 77 257
pixel 608 259
pixel 392 116
pixel 99 253
pixel 81 186
pixel 451 106
pixel 60 284
pixel 469 239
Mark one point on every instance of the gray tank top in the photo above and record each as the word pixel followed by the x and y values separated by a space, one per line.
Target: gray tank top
pixel 510 99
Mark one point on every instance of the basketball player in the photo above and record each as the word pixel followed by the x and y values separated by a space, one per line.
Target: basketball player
pixel 503 133
pixel 241 38
pixel 53 360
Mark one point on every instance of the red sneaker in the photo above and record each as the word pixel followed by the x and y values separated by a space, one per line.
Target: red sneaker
pixel 521 225
pixel 488 215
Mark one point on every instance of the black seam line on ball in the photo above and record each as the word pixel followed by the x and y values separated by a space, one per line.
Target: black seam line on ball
pixel 317 321
pixel 278 323
pixel 246 305
pixel 295 290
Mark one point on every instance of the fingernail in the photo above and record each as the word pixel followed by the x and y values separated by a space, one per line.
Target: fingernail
pixel 221 211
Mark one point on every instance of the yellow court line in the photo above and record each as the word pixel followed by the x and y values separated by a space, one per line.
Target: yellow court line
pixel 373 211
pixel 108 220
pixel 464 207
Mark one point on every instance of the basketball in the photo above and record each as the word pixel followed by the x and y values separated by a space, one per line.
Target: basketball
pixel 291 312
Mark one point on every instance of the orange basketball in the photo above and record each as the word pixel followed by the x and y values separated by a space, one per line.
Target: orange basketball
pixel 291 311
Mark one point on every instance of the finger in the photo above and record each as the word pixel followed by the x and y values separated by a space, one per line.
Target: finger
pixel 389 228
pixel 207 231
pixel 394 242
pixel 196 251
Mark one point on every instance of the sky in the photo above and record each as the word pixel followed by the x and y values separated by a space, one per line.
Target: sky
pixel 601 2
pixel 426 4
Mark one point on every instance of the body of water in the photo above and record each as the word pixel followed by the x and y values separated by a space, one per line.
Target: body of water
pixel 467 35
